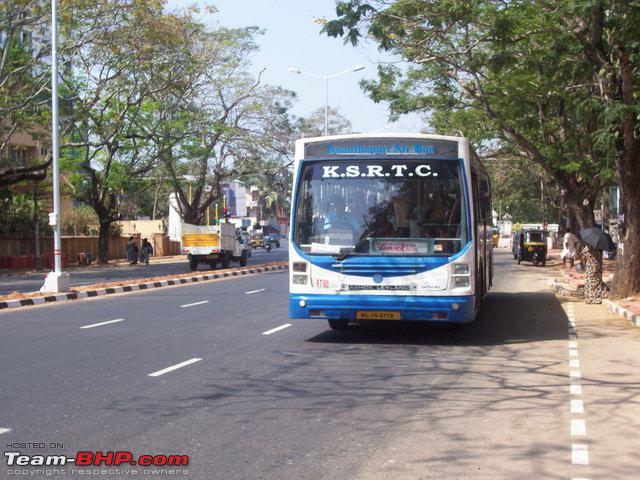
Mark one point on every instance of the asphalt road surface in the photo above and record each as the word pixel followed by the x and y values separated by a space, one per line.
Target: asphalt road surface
pixel 214 371
pixel 31 282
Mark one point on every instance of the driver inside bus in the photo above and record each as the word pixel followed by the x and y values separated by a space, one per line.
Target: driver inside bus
pixel 338 218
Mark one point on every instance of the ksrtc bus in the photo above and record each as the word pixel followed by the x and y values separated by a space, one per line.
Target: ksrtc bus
pixel 389 227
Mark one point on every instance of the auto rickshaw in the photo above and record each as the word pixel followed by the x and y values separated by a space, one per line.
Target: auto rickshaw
pixel 257 239
pixel 531 246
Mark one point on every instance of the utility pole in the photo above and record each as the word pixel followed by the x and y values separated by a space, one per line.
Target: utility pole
pixel 55 281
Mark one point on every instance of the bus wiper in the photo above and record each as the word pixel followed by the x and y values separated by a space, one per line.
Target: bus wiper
pixel 348 251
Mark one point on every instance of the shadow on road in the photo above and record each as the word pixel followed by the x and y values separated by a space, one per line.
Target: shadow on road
pixel 504 318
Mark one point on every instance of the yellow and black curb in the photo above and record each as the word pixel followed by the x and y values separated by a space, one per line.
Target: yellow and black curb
pixel 65 297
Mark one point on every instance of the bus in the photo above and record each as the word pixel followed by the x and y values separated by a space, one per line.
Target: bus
pixel 389 227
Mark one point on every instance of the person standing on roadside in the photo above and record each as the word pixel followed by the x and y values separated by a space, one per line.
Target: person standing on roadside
pixel 569 248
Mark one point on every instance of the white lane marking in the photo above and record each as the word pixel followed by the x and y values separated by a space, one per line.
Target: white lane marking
pixel 573 353
pixel 578 427
pixel 4 430
pixel 574 363
pixel 255 291
pixel 579 454
pixel 574 374
pixel 104 323
pixel 277 329
pixel 575 389
pixel 194 304
pixel 174 367
pixel 577 406
pixel 573 344
pixel 572 336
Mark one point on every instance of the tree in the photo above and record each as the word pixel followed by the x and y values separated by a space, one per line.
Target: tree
pixel 511 75
pixel 608 34
pixel 313 124
pixel 24 78
pixel 134 54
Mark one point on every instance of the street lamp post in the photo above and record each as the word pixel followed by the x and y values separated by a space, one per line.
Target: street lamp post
pixel 55 281
pixel 326 78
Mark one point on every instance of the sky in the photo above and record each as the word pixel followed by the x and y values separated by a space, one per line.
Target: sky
pixel 293 39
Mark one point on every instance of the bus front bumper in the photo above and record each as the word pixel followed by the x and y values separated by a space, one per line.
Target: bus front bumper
pixel 460 309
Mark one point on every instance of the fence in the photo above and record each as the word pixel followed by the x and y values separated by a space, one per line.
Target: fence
pixel 72 246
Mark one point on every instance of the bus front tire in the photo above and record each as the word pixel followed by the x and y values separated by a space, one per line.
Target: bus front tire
pixel 338 323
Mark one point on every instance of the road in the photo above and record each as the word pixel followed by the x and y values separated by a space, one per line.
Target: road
pixel 31 282
pixel 257 399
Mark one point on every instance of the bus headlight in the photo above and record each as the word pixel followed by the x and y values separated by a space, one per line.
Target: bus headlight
pixel 461 269
pixel 299 266
pixel 300 279
pixel 460 282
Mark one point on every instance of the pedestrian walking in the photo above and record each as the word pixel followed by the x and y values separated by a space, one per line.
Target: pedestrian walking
pixel 146 251
pixel 569 248
pixel 594 288
pixel 132 251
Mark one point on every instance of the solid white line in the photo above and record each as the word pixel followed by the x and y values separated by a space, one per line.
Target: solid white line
pixel 277 329
pixel 574 363
pixel 174 367
pixel 574 374
pixel 255 291
pixel 573 344
pixel 4 430
pixel 194 304
pixel 577 406
pixel 103 323
pixel 578 427
pixel 573 353
pixel 575 389
pixel 579 454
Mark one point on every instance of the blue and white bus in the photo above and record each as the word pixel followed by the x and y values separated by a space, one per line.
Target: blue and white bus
pixel 389 227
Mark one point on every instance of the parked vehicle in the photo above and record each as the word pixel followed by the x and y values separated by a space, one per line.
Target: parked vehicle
pixel 530 246
pixel 212 245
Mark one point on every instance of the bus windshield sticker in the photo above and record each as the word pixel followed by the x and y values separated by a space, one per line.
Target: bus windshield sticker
pixel 371 171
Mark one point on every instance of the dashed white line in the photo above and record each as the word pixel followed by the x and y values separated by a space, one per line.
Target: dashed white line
pixel 577 406
pixel 575 374
pixel 194 304
pixel 574 363
pixel 104 323
pixel 255 291
pixel 4 430
pixel 575 389
pixel 579 454
pixel 174 367
pixel 573 352
pixel 578 427
pixel 573 344
pixel 277 329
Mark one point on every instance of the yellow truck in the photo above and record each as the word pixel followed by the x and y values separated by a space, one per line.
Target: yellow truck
pixel 215 244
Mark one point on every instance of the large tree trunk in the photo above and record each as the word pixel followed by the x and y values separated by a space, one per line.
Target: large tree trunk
pixel 103 241
pixel 583 214
pixel 627 276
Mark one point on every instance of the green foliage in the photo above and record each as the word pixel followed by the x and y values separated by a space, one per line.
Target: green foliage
pixel 16 215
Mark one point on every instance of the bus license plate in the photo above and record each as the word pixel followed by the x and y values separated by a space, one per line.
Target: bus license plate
pixel 377 315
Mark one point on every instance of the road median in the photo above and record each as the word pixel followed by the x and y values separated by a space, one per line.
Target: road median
pixel 18 300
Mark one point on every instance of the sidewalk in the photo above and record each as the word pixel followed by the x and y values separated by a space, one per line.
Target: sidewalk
pixel 605 362
pixel 112 263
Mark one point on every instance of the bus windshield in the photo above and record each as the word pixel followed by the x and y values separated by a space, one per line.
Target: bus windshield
pixel 383 207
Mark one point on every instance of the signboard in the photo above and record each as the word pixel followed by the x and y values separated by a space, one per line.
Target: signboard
pixel 382 147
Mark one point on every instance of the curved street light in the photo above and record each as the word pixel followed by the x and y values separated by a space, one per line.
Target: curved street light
pixel 326 78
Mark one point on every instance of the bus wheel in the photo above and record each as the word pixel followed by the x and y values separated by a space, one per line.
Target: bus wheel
pixel 338 323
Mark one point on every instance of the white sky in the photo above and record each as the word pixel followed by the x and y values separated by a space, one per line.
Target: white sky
pixel 293 39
